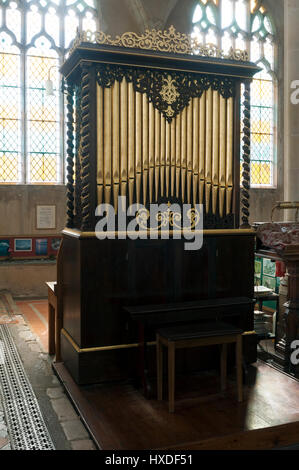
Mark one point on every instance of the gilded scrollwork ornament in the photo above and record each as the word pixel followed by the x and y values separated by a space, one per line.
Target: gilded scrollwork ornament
pixel 168 219
pixel 169 41
pixel 169 91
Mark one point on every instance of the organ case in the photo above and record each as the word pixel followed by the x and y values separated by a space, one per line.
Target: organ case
pixel 156 123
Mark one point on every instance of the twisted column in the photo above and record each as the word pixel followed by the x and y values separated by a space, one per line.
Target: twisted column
pixel 85 144
pixel 245 196
pixel 70 156
pixel 78 157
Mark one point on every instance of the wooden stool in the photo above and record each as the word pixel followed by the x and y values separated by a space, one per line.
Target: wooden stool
pixel 191 336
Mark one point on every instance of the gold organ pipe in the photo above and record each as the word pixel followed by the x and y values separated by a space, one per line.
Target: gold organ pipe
pixel 202 146
pixel 172 153
pixel 157 150
pixel 162 153
pixel 178 153
pixel 151 150
pixel 168 156
pixel 145 144
pixel 229 168
pixel 189 132
pixel 107 143
pixel 115 142
pixel 195 155
pixel 183 152
pixel 138 147
pixel 222 155
pixel 131 140
pixel 208 151
pixel 100 143
pixel 124 136
pixel 215 151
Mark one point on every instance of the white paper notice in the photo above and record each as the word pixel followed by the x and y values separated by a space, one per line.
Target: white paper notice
pixel 46 217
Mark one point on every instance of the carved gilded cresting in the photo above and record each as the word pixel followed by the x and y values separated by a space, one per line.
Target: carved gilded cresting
pixel 170 41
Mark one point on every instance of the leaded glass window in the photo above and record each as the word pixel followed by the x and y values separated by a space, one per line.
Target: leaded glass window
pixel 246 25
pixel 34 38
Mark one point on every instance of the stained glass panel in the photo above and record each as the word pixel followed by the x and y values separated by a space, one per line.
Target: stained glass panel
pixel 241 14
pixel 10 111
pixel 71 25
pixel 227 12
pixel 32 123
pixel 13 20
pixel 262 132
pixel 43 124
pixel 34 23
pixel 52 25
pixel 246 25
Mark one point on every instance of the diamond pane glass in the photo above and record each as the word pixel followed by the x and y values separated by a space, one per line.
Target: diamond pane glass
pixel 246 25
pixel 43 124
pixel 262 132
pixel 32 123
pixel 10 111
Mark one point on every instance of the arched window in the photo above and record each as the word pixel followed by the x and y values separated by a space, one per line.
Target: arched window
pixel 34 38
pixel 246 25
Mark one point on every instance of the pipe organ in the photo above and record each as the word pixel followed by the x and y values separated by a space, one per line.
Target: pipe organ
pixel 156 120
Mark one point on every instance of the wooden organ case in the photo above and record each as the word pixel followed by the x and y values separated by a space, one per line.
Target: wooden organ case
pixel 155 119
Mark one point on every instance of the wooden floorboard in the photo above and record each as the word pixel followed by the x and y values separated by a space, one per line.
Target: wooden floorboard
pixel 276 437
pixel 118 416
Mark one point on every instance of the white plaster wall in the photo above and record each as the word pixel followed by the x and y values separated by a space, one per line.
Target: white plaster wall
pixel 18 208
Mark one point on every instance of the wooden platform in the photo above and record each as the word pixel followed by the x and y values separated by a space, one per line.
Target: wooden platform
pixel 118 416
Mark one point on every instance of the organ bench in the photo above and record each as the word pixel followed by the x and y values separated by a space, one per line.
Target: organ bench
pixel 192 336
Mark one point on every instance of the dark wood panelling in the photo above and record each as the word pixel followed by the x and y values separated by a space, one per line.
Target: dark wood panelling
pixel 120 273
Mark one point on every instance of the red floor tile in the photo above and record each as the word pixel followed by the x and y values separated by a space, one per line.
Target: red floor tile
pixel 36 314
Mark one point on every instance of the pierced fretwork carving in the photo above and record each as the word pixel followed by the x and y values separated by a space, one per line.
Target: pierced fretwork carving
pixel 170 92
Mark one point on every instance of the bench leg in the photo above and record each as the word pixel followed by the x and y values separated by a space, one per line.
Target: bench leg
pixel 171 375
pixel 58 327
pixel 239 368
pixel 159 368
pixel 223 367
pixel 51 329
